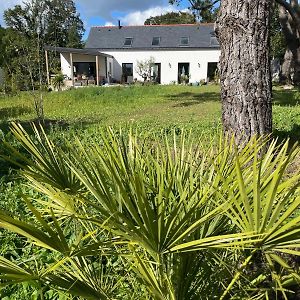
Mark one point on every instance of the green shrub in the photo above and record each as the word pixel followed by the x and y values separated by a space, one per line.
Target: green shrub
pixel 128 218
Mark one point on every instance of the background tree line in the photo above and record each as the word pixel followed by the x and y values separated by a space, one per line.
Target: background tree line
pixel 29 28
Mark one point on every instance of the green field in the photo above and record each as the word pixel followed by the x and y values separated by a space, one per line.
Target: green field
pixel 148 108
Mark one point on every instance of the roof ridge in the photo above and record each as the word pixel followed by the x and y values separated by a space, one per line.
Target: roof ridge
pixel 154 25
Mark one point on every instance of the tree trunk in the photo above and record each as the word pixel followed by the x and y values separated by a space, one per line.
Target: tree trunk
pixel 286 68
pixel 296 77
pixel 291 64
pixel 246 88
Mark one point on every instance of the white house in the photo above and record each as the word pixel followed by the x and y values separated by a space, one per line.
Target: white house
pixel 112 53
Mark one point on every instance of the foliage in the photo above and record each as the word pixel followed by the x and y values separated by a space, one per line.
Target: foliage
pixel 58 81
pixel 172 18
pixel 154 110
pixel 278 44
pixel 21 56
pixel 56 22
pixel 30 28
pixel 205 10
pixel 184 222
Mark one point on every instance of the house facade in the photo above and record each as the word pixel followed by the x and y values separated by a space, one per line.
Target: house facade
pixel 177 52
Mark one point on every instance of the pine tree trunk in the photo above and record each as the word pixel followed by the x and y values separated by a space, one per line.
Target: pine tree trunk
pixel 246 88
pixel 296 78
pixel 291 31
pixel 285 76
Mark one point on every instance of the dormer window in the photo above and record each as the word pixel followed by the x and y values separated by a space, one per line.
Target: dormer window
pixel 156 41
pixel 184 41
pixel 128 42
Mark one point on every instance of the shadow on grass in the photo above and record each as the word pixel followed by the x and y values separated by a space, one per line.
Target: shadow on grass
pixel 286 97
pixel 47 124
pixel 189 99
pixel 13 112
pixel 293 134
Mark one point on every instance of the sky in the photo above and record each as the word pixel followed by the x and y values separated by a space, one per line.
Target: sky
pixel 108 12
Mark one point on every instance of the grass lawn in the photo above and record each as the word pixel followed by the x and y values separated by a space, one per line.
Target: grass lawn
pixel 149 108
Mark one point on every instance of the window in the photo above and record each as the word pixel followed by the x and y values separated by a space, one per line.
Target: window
pixel 184 41
pixel 156 41
pixel 128 42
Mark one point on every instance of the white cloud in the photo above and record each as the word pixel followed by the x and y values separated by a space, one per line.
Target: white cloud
pixel 109 24
pixel 130 12
pixel 98 8
pixel 139 17
pixel 105 9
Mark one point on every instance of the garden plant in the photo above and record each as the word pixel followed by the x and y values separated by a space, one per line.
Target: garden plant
pixel 129 217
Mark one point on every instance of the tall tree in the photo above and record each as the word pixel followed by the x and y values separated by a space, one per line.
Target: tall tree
pixel 172 18
pixel 243 29
pixel 64 26
pixel 289 15
pixel 205 10
pixel 278 44
pixel 34 25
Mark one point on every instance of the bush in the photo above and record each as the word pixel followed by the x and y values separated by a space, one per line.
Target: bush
pixel 58 81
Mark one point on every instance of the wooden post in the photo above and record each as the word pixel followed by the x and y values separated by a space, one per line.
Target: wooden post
pixel 72 69
pixel 47 67
pixel 97 70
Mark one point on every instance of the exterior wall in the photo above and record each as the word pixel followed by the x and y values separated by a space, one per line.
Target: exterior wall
pixel 198 60
pixel 66 63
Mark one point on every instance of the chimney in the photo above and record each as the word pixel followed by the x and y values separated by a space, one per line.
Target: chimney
pixel 119 24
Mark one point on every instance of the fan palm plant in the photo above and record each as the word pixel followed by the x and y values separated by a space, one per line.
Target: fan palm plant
pixel 179 220
pixel 58 81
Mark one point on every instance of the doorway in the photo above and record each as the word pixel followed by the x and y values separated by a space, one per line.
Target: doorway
pixel 156 73
pixel 212 71
pixel 183 72
pixel 127 73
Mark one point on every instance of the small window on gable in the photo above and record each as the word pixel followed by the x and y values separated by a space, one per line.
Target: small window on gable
pixel 156 41
pixel 128 42
pixel 184 41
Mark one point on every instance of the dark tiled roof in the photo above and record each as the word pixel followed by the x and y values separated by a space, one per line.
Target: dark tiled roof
pixel 113 37
pixel 84 51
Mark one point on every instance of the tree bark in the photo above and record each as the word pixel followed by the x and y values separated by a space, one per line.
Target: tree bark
pixel 290 28
pixel 243 28
pixel 286 68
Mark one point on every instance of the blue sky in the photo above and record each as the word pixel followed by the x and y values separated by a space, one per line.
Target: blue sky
pixel 108 12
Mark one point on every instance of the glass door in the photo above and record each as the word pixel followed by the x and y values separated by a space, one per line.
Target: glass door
pixel 183 72
pixel 156 73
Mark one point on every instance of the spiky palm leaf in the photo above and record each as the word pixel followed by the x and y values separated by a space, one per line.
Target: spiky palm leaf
pixel 154 203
